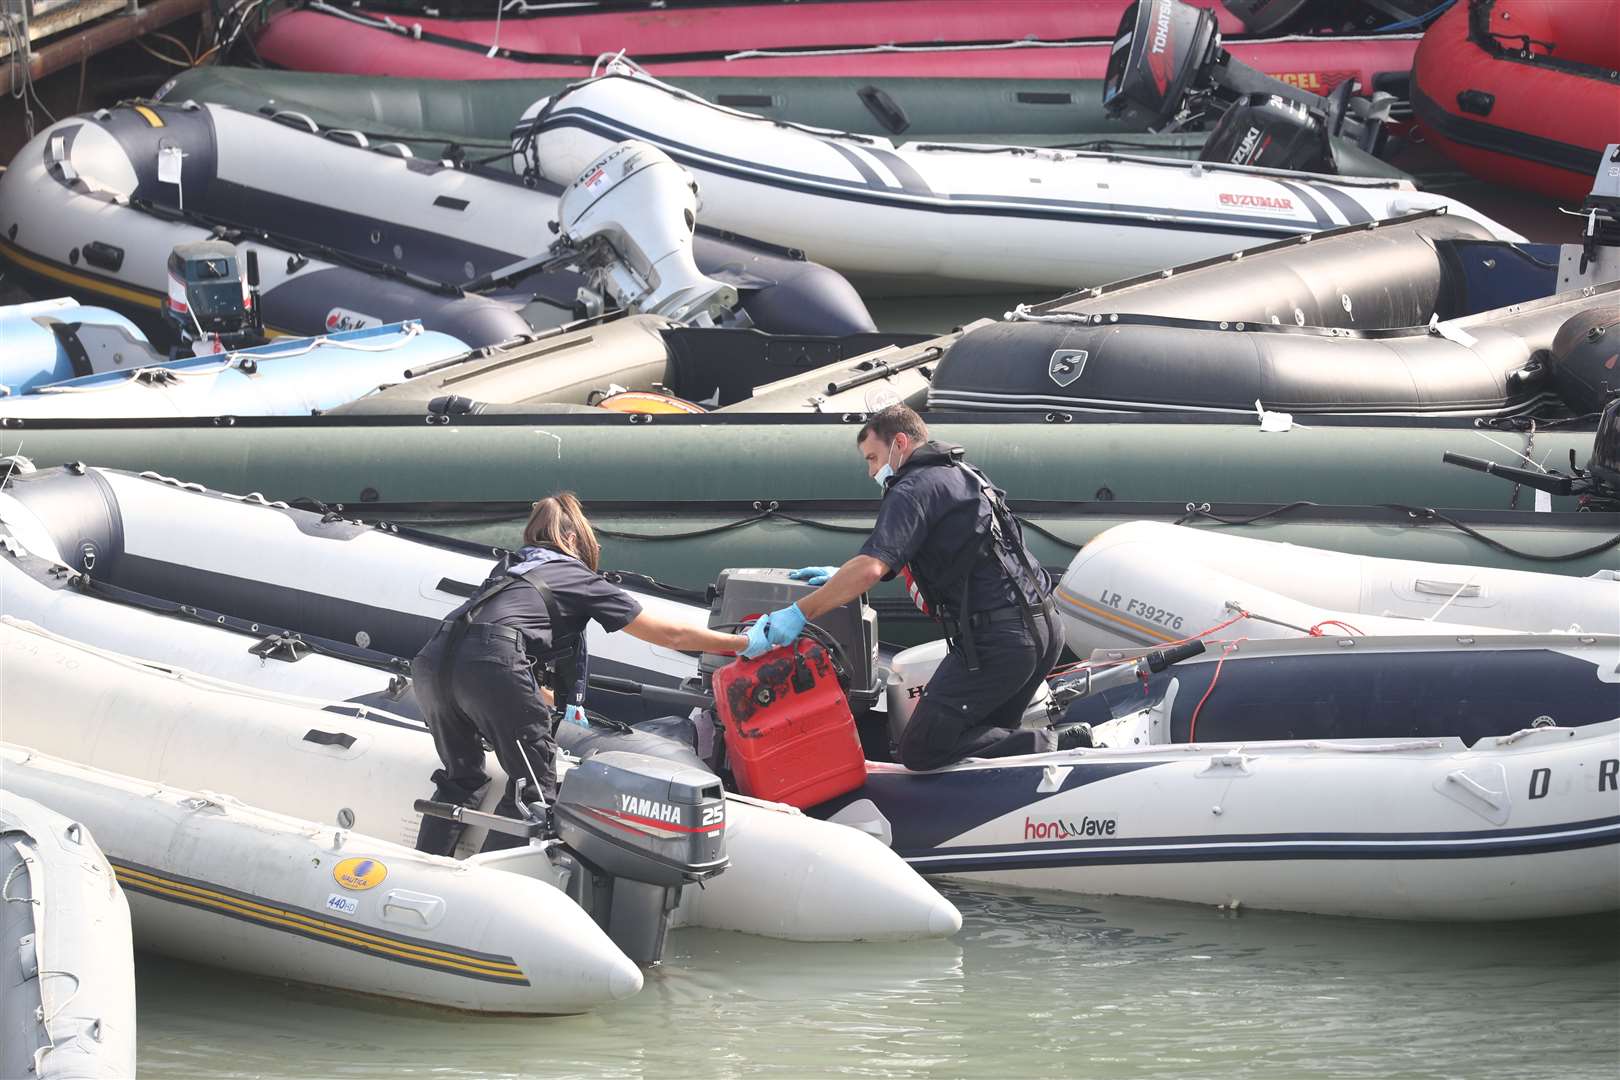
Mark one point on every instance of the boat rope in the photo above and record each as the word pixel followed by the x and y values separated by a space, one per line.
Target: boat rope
pixel 246 361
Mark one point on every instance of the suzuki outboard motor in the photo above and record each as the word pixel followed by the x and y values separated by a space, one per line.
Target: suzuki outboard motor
pixel 631 216
pixel 635 831
pixel 1168 60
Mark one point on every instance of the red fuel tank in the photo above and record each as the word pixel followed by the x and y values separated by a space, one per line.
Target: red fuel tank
pixel 789 732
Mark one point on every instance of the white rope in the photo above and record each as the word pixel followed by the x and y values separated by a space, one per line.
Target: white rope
pixel 235 359
pixel 1023 313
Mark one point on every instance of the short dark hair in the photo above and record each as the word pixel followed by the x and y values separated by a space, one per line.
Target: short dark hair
pixel 892 421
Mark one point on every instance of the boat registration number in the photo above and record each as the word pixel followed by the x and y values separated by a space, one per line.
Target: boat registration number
pixel 1142 609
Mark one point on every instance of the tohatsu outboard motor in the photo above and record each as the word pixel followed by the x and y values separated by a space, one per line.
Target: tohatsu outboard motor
pixel 1168 61
pixel 630 218
pixel 627 833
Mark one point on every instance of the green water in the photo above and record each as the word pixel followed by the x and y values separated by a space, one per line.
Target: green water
pixel 1033 986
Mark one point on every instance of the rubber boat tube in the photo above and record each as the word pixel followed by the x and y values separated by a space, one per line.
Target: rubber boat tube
pixel 83 204
pixel 790 876
pixel 282 567
pixel 1522 92
pixel 1148 583
pixel 439 118
pixel 217 882
pixel 289 377
pixel 1516 827
pixel 1345 686
pixel 1487 365
pixel 40 343
pixel 986 217
pixel 970 41
pixel 68 1011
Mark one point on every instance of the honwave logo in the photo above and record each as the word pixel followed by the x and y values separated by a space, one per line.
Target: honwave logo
pixel 1260 202
pixel 647 808
pixel 1059 829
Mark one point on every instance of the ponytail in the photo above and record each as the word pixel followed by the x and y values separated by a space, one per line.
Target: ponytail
pixel 559 521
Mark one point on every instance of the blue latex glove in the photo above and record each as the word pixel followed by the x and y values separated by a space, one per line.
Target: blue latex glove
pixel 575 715
pixel 782 627
pixel 815 575
pixel 758 643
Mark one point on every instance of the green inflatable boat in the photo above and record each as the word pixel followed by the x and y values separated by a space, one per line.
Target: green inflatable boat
pixel 681 497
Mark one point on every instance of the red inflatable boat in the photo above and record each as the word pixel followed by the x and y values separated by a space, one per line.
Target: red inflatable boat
pixel 1523 92
pixel 1031 39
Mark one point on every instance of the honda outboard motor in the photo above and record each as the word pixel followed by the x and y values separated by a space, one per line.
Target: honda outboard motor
pixel 1168 60
pixel 635 831
pixel 909 673
pixel 631 216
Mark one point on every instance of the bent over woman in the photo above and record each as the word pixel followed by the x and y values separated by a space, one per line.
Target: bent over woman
pixel 496 667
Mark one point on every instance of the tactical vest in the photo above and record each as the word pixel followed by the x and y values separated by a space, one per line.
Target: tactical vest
pixel 947 588
pixel 565 653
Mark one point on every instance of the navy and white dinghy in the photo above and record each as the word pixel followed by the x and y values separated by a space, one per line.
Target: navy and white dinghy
pixel 937 215
pixel 350 235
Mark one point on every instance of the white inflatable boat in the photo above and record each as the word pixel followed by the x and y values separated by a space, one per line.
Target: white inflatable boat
pixel 974 216
pixel 1515 827
pixel 67 971
pixel 1148 583
pixel 216 882
pixel 790 875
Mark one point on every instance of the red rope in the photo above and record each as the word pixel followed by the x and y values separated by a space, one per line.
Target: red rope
pixel 1192 726
pixel 1316 631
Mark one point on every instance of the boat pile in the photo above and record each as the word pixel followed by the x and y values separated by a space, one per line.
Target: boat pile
pixel 1326 466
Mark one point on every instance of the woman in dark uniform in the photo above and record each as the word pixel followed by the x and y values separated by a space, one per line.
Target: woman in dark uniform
pixel 500 663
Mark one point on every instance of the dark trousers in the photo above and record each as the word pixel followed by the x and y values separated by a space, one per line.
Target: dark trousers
pixel 965 713
pixel 483 692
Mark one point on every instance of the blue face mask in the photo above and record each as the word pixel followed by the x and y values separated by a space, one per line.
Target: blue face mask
pixel 884 473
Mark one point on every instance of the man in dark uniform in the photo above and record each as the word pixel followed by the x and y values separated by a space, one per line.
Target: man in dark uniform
pixel 947 529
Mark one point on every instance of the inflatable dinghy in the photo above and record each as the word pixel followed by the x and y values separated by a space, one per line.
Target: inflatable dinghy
pixel 789 876
pixel 289 377
pixel 473 118
pixel 1522 92
pixel 348 234
pixel 981 217
pixel 68 967
pixel 1345 686
pixel 1028 39
pixel 1427 315
pixel 1515 827
pixel 1365 487
pixel 49 341
pixel 216 882
pixel 1148 583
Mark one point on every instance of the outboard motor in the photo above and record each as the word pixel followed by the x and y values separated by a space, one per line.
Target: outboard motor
pixel 630 218
pixel 638 830
pixel 741 596
pixel 212 304
pixel 909 673
pixel 627 834
pixel 1597 486
pixel 1168 60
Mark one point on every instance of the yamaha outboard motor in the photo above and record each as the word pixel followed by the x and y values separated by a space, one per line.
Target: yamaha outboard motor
pixel 637 830
pixel 628 832
pixel 1168 60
